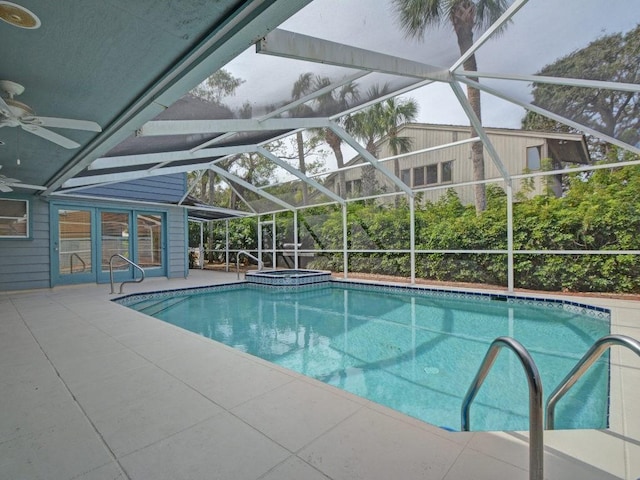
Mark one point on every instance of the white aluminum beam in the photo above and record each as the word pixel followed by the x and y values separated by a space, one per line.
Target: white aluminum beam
pixel 552 116
pixel 338 130
pixel 477 125
pixel 282 43
pixel 156 158
pixel 570 82
pixel 248 186
pixel 294 171
pixel 190 127
pixel 195 181
pixel 126 176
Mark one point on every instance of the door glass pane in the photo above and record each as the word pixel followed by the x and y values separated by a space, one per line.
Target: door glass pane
pixel 115 239
pixel 74 241
pixel 149 240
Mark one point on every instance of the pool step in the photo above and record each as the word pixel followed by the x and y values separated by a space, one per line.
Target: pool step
pixel 141 305
pixel 159 306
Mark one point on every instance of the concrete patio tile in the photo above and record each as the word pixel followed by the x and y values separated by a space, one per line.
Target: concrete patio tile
pixel 473 465
pixel 31 369
pixel 124 387
pixel 295 413
pixel 30 407
pixel 461 438
pixel 111 471
pixel 221 448
pixel 294 469
pixel 76 345
pixel 593 450
pixel 157 332
pixel 20 352
pixel 372 446
pixel 120 323
pixel 93 369
pixel 583 454
pixel 168 343
pixel 63 451
pixel 241 380
pixel 511 447
pixel 563 467
pixel 45 316
pixel 148 419
pixel 199 368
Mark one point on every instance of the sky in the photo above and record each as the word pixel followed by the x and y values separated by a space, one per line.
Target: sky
pixel 539 33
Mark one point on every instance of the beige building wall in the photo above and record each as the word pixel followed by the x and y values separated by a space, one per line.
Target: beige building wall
pixel 452 165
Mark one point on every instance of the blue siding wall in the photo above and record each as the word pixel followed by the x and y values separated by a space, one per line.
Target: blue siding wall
pixel 24 263
pixel 177 263
pixel 164 188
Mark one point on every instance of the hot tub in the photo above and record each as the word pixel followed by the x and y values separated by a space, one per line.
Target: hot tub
pixel 287 277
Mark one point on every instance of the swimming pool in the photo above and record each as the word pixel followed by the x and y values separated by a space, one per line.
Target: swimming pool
pixel 413 350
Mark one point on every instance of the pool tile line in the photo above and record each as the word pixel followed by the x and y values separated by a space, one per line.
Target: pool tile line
pixel 593 311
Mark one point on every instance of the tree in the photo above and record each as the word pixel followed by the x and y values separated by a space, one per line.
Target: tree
pixel 616 113
pixel 217 86
pixel 327 104
pixel 466 16
pixel 379 121
pixel 302 87
pixel 397 112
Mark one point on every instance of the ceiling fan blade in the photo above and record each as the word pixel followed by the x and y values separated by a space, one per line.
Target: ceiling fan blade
pixel 4 179
pixel 4 108
pixel 64 123
pixel 51 136
pixel 28 186
pixel 4 188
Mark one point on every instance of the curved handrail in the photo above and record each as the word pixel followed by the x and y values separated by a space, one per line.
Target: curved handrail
pixel 133 264
pixel 84 265
pixel 588 359
pixel 244 252
pixel 536 441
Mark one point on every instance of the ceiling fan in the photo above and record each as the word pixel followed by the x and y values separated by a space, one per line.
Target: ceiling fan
pixel 17 114
pixel 7 182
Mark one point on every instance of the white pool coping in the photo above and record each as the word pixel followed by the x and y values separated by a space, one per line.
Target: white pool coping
pixel 93 390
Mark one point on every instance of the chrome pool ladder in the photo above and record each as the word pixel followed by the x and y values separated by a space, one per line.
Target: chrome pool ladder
pixel 244 252
pixel 536 441
pixel 589 358
pixel 133 264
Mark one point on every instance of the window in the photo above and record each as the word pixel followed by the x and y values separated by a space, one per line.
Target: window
pixel 432 174
pixel 418 176
pixel 354 187
pixel 405 176
pixel 445 175
pixel 14 218
pixel 533 157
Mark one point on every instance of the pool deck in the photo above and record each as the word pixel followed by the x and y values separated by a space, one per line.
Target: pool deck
pixel 92 390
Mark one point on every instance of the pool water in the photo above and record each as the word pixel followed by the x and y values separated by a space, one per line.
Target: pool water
pixel 409 350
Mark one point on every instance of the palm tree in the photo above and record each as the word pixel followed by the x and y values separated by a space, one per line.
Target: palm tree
pixel 302 87
pixel 327 104
pixel 378 121
pixel 397 112
pixel 416 16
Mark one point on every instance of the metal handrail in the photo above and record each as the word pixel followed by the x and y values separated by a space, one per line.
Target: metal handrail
pixel 244 252
pixel 133 264
pixel 536 432
pixel 84 265
pixel 588 359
